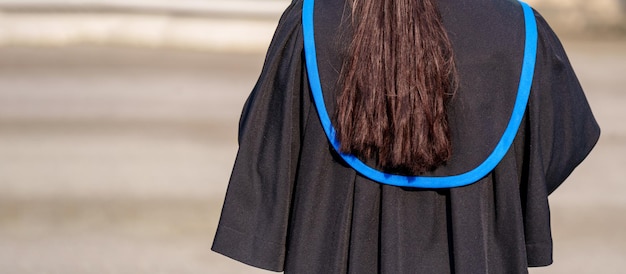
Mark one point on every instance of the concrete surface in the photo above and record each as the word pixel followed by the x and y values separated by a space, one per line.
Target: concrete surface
pixel 115 160
pixel 583 17
pixel 233 25
pixel 53 29
pixel 254 8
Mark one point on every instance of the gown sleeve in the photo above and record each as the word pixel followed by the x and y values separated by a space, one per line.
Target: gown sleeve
pixel 254 220
pixel 560 132
pixel 563 129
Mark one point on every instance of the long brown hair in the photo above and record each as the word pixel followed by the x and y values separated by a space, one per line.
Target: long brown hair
pixel 397 77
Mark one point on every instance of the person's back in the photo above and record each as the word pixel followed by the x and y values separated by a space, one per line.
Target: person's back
pixel 293 204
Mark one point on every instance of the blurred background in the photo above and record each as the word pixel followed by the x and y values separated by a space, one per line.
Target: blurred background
pixel 118 131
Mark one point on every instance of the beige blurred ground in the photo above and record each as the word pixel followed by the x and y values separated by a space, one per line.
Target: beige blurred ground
pixel 116 159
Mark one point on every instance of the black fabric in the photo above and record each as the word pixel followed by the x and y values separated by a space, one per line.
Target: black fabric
pixel 293 206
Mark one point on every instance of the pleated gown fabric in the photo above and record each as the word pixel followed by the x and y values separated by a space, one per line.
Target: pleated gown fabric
pixel 293 205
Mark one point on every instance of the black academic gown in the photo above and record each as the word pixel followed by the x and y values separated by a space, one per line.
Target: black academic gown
pixel 292 205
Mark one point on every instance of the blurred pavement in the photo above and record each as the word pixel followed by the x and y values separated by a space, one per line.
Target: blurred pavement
pixel 116 160
pixel 216 25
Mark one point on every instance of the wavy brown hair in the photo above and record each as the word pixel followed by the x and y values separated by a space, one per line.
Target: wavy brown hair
pixel 395 82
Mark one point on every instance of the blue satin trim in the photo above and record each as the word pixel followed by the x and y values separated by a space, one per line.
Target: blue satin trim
pixel 472 176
